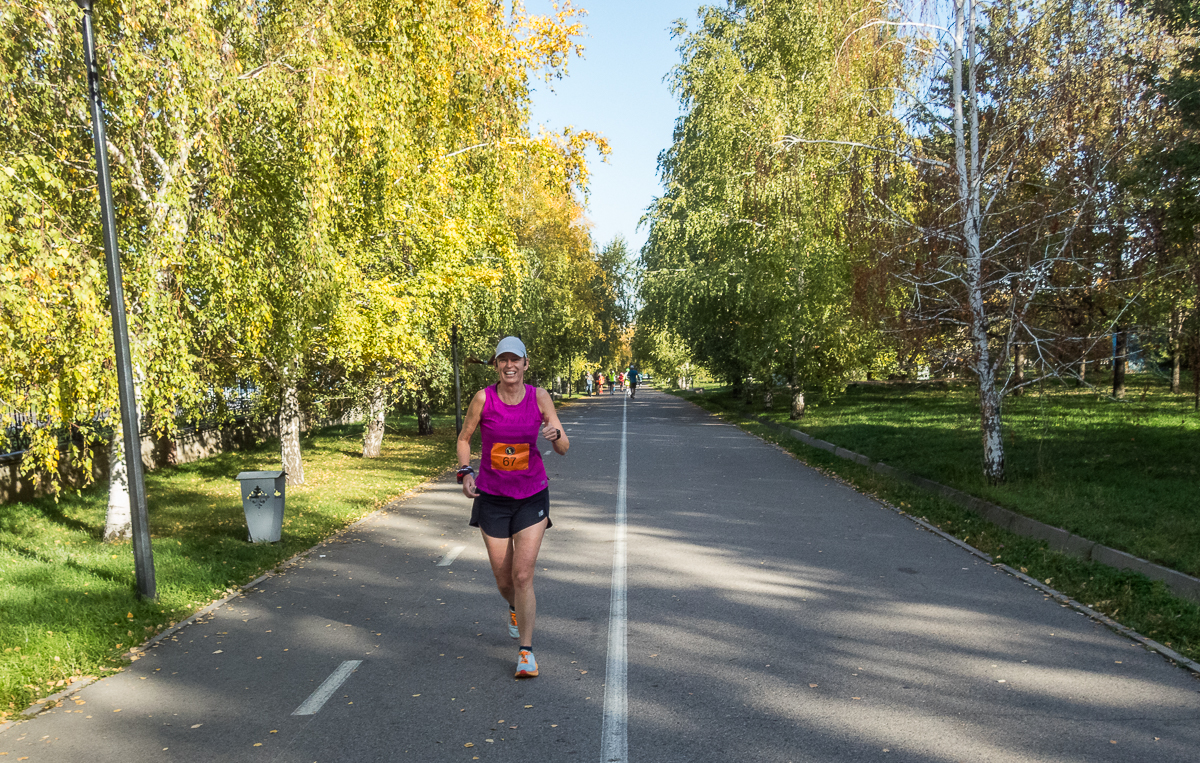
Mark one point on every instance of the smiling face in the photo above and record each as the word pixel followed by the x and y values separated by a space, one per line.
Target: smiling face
pixel 511 368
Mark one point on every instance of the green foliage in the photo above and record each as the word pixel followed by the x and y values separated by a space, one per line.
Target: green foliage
pixel 749 258
pixel 309 196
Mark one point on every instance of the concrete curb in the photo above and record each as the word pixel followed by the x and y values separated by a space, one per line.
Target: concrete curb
pixel 1057 539
pixel 135 653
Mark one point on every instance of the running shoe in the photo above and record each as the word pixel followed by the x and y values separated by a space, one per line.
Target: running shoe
pixel 526 665
pixel 512 625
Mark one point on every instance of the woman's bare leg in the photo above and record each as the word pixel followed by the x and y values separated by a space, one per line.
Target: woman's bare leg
pixel 514 561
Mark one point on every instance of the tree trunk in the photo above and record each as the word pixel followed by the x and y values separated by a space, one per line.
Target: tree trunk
pixel 769 397
pixel 1120 348
pixel 1174 325
pixel 118 522
pixel 1018 369
pixel 1082 370
pixel 376 407
pixel 797 403
pixel 993 433
pixel 970 204
pixel 424 413
pixel 289 433
pixel 1194 363
pixel 969 189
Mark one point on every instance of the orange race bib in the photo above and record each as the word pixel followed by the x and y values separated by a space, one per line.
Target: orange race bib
pixel 510 458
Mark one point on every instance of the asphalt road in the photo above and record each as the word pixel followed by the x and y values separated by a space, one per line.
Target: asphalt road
pixel 762 612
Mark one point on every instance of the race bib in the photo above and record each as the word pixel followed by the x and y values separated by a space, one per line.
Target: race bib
pixel 510 458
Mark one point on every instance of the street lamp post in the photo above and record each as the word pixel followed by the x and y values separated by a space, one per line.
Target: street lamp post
pixel 143 555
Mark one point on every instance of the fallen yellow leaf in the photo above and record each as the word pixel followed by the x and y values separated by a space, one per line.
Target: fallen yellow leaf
pixel 469 744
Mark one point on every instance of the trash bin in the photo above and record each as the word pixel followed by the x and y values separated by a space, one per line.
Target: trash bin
pixel 262 500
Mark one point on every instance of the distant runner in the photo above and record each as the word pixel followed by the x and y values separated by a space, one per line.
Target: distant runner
pixel 633 377
pixel 512 500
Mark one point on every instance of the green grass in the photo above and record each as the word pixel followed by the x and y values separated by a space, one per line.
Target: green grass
pixel 1128 473
pixel 68 603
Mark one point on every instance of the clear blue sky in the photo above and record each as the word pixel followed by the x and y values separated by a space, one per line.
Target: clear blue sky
pixel 618 89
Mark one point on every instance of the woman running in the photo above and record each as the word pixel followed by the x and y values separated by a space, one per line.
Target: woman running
pixel 512 500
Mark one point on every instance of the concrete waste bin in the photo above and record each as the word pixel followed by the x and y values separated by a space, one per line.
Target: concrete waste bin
pixel 262 500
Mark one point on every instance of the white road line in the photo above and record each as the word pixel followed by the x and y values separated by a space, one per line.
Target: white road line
pixel 319 697
pixel 614 740
pixel 449 558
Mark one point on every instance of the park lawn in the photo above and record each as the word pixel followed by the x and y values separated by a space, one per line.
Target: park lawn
pixel 1118 457
pixel 68 603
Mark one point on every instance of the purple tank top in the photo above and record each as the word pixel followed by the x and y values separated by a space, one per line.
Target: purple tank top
pixel 511 465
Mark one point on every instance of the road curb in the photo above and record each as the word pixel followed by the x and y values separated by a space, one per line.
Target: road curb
pixel 1011 521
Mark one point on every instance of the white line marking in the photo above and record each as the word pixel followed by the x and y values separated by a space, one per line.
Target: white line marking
pixel 319 697
pixel 614 739
pixel 449 558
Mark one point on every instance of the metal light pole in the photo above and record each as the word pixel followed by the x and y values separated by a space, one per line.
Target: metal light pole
pixel 143 556
pixel 457 385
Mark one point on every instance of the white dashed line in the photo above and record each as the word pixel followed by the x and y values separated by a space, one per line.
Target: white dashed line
pixel 449 558
pixel 318 698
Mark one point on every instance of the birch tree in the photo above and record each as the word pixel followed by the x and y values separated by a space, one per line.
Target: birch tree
pixel 1018 193
pixel 750 258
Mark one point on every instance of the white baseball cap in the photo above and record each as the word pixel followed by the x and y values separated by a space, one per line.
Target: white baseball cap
pixel 509 344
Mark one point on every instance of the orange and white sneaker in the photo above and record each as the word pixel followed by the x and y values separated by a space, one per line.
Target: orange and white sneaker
pixel 526 665
pixel 512 625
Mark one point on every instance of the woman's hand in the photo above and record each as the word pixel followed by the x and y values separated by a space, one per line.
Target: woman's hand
pixel 469 486
pixel 551 432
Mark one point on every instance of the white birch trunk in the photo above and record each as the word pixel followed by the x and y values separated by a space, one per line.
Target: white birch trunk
pixel 376 407
pixel 969 191
pixel 289 433
pixel 118 522
pixel 797 404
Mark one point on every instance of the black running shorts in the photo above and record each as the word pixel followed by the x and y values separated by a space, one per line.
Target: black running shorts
pixel 503 517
